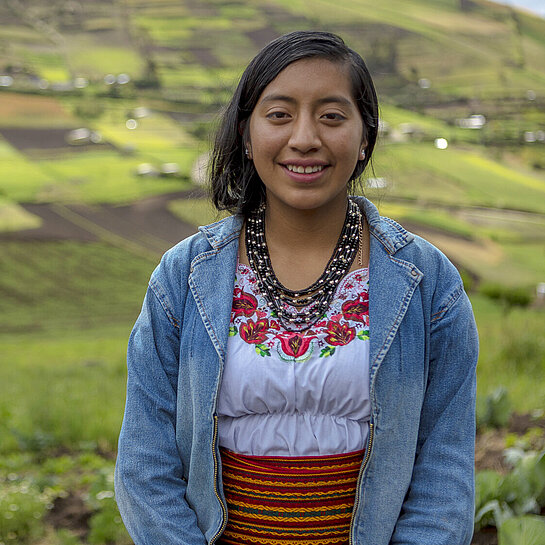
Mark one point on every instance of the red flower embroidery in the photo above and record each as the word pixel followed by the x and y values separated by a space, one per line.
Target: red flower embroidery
pixel 294 344
pixel 274 325
pixel 358 309
pixel 254 332
pixel 245 304
pixel 339 334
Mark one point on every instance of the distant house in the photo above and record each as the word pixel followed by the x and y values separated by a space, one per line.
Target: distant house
pixel 146 169
pixel 170 170
pixel 82 136
pixel 376 183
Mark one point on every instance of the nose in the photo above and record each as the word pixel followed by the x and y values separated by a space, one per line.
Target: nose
pixel 304 136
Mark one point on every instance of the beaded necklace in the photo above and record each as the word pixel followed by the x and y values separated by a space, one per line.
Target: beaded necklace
pixel 288 304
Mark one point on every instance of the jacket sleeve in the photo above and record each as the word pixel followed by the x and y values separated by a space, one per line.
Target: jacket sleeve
pixel 149 482
pixel 439 506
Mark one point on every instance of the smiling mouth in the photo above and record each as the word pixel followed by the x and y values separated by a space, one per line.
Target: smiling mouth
pixel 305 170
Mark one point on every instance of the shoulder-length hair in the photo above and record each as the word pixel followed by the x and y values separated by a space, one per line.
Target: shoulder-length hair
pixel 234 182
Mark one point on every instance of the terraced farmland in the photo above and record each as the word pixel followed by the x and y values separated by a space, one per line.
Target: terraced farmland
pixel 105 110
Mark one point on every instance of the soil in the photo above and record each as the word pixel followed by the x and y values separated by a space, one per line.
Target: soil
pixel 489 447
pixel 25 139
pixel 146 224
pixel 278 15
pixel 487 536
pixel 204 57
pixel 262 36
pixel 14 105
pixel 490 443
pixel 70 513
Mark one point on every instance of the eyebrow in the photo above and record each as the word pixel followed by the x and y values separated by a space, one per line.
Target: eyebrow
pixel 325 100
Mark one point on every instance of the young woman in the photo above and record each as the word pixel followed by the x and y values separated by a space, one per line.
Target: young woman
pixel 304 370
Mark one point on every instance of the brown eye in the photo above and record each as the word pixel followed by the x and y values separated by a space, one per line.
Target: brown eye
pixel 333 116
pixel 277 115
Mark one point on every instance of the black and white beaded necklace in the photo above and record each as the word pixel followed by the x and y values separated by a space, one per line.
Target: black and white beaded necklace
pixel 298 310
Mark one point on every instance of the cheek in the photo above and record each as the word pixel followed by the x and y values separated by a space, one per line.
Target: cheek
pixel 266 140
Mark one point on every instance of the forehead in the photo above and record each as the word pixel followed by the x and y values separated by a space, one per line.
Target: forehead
pixel 309 79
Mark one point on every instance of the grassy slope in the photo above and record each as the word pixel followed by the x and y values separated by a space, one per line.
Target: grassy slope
pixel 42 376
pixel 461 53
pixel 48 286
pixel 92 176
pixel 66 309
pixel 458 51
pixel 479 46
pixel 85 369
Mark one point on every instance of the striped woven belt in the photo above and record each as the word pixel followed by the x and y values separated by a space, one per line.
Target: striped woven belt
pixel 286 500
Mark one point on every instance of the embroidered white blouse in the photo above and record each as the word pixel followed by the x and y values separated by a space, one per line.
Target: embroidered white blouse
pixel 296 394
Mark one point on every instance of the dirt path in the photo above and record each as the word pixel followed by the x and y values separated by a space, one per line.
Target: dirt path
pixel 146 227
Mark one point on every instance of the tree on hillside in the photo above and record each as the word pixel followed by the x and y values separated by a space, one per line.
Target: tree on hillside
pixel 465 5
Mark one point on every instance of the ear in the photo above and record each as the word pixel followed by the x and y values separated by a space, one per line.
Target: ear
pixel 363 148
pixel 245 133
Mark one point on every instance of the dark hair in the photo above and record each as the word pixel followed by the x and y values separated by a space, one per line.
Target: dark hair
pixel 234 182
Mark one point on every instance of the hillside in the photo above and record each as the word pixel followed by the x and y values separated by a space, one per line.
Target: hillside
pixel 146 80
pixel 106 107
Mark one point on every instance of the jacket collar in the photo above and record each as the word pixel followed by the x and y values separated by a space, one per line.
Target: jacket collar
pixel 392 280
pixel 223 231
pixel 388 232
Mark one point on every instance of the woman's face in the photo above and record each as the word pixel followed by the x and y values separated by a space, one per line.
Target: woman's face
pixel 306 136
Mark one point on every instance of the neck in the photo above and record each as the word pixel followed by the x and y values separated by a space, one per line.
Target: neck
pixel 305 230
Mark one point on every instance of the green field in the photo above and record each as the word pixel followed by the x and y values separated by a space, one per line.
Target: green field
pixel 68 286
pixel 67 307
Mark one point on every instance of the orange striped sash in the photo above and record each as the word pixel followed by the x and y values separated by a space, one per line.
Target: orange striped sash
pixel 287 500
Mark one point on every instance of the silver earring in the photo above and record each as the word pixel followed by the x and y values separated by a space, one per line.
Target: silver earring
pixel 246 152
pixel 362 153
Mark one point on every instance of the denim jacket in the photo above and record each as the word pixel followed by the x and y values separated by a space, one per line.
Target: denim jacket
pixel 416 484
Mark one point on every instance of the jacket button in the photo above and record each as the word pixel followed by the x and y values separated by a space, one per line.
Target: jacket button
pixel 414 273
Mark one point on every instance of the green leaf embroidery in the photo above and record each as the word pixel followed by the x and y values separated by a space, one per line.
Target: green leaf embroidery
pixel 327 351
pixel 262 350
pixel 233 330
pixel 363 335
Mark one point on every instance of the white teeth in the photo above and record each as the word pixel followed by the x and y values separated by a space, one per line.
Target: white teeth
pixel 304 170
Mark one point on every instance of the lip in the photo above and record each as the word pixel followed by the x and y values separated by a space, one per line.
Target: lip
pixel 302 177
pixel 305 162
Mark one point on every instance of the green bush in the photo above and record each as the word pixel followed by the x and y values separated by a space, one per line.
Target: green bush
pixel 526 352
pixel 468 279
pixel 22 507
pixel 508 295
pixel 487 486
pixel 526 530
pixel 496 409
pixel 499 498
pixel 65 537
pixel 105 526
